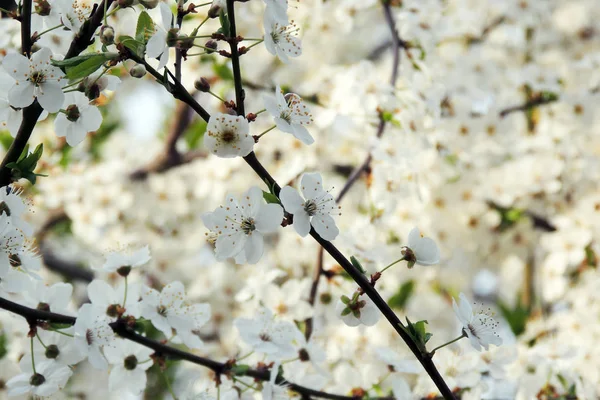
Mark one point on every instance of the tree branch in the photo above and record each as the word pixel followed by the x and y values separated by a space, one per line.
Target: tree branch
pixel 26 42
pixel 235 59
pixel 35 317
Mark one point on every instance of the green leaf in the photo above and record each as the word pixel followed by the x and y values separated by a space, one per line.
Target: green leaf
pixel 132 44
pixel 73 61
pixel 419 334
pixel 357 264
pixel 194 134
pixel 225 27
pixel 400 299
pixel 87 67
pixel 270 198
pixel 144 28
pixel 240 369
pixel 5 139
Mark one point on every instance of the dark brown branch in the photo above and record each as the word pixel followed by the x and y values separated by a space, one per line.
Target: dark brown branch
pixel 26 41
pixel 539 101
pixel 120 327
pixel 235 59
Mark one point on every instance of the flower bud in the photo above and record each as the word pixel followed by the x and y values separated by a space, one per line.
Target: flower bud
pixel 149 4
pixel 107 35
pixel 211 44
pixel 43 8
pixel 202 84
pixel 137 71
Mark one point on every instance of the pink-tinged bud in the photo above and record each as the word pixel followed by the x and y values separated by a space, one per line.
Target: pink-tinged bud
pixel 202 84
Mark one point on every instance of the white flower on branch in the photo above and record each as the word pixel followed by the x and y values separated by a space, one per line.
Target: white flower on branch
pixel 420 250
pixel 35 78
pixel 77 119
pixel 239 226
pixel 479 326
pixel 281 40
pixel 92 333
pixel 227 136
pixel 277 11
pixel 314 209
pixel 49 377
pixel 57 347
pixel 159 43
pixel 290 113
pixel 13 205
pixel 129 362
pixel 119 260
pixel 109 300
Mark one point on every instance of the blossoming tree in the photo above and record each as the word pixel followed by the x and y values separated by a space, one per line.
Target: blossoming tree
pixel 459 136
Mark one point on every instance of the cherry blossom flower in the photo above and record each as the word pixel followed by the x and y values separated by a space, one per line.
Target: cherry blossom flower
pixel 106 299
pixel 129 362
pixel 281 40
pixel 315 209
pixel 290 113
pixel 273 391
pixel 267 335
pixel 240 226
pixel 57 347
pixel 49 377
pixel 420 250
pixel 35 78
pixel 92 333
pixel 358 310
pixel 78 118
pixel 126 260
pixel 159 43
pixel 480 327
pixel 53 298
pixel 13 205
pixel 73 13
pixel 227 136
pixel 168 311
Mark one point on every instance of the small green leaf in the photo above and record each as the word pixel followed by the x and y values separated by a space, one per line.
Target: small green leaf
pixel 270 198
pixel 144 28
pixel 225 27
pixel 73 61
pixel 132 44
pixel 240 369
pixel 346 311
pixel 357 264
pixel 345 299
pixel 87 67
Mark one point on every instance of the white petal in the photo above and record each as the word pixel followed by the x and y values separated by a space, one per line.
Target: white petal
pixel 312 185
pixel 60 125
pixel 157 43
pixel 17 66
pixel 21 95
pixel 325 226
pixel 254 247
pixel 271 105
pixel 51 96
pixel 302 223
pixel 229 245
pixel 291 200
pixel 301 133
pixel 100 293
pixel 269 218
pixel 92 118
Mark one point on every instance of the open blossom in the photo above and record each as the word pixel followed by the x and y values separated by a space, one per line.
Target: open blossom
pixel 79 118
pixel 91 333
pixel 290 113
pixel 228 136
pixel 13 205
pixel 109 300
pixel 281 40
pixel 267 335
pixel 158 45
pixel 314 209
pixel 49 377
pixel 277 11
pixel 358 310
pixel 239 226
pixel 420 250
pixel 53 298
pixel 129 260
pixel 35 78
pixel 169 312
pixel 129 362
pixel 58 347
pixel 480 326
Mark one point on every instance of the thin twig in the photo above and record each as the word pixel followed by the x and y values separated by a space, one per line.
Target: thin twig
pixel 235 59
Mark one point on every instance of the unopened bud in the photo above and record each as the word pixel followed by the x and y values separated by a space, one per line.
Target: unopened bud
pixel 214 11
pixel 137 71
pixel 107 35
pixel 43 8
pixel 202 85
pixel 149 4
pixel 211 44
pixel 172 37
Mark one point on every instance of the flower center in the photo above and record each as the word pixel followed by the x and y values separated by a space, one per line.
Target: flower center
pixel 265 337
pixel 130 362
pixel 310 207
pixel 113 310
pixel 37 379
pixel 37 78
pixel 286 116
pixel 161 310
pixel 15 260
pixel 52 351
pixel 229 136
pixel 248 225
pixel 43 306
pixel 73 113
pixel 89 337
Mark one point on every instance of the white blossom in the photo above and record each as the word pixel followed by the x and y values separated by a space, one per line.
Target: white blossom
pixel 131 259
pixel 424 250
pixel 240 226
pixel 480 326
pixel 12 204
pixel 49 378
pixel 92 333
pixel 158 44
pixel 228 136
pixel 357 311
pixel 78 118
pixel 35 78
pixel 267 335
pixel 314 209
pixel 277 11
pixel 281 40
pixel 129 362
pixel 290 113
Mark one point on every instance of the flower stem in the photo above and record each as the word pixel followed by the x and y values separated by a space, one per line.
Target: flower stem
pixel 48 30
pixel 40 339
pixel 32 357
pixel 246 356
pixel 216 96
pixel 62 333
pixel 169 387
pixel 265 132
pixel 392 264
pixel 251 46
pixel 125 295
pixel 261 111
pixel 432 352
